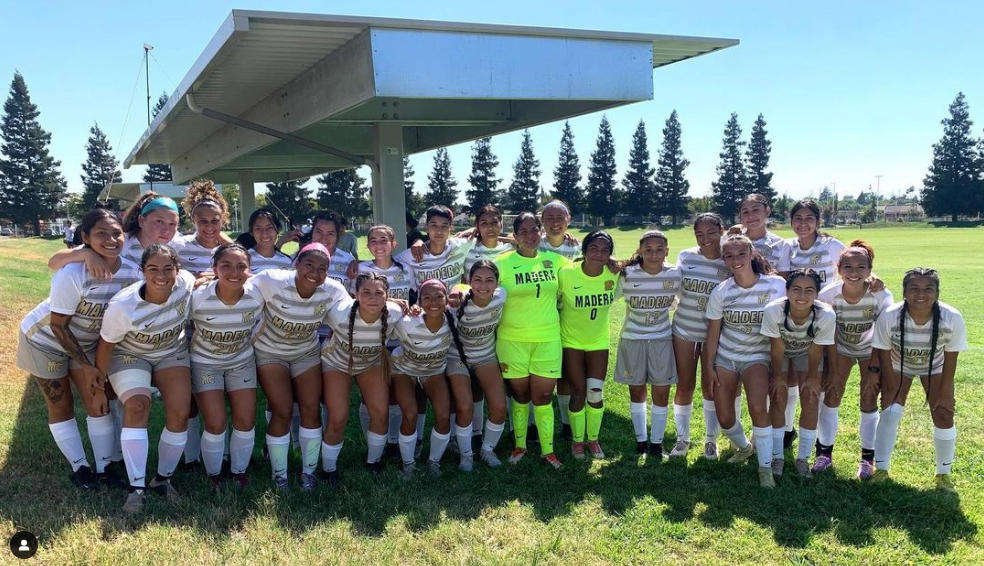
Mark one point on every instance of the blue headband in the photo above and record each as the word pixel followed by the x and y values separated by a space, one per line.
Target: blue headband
pixel 159 202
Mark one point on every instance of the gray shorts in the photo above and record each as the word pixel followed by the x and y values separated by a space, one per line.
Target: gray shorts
pixel 639 362
pixel 44 363
pixel 724 362
pixel 242 376
pixel 799 363
pixel 297 364
pixel 457 367
pixel 127 371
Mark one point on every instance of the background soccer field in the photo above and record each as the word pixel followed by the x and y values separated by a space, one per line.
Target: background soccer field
pixel 614 511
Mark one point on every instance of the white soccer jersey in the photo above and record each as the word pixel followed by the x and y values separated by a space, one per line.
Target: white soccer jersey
pixel 918 339
pixel 481 252
pixel 855 322
pixel 74 292
pixel 149 331
pixel 570 251
pixel 338 267
pixel 775 249
pixel 476 328
pixel 797 340
pixel 448 266
pixel 194 257
pixel 822 257
pixel 132 249
pixel 399 276
pixel 648 300
pixel 698 277
pixel 741 311
pixel 421 352
pixel 289 326
pixel 367 339
pixel 222 332
pixel 258 263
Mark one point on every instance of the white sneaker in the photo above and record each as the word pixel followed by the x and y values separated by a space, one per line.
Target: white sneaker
pixel 680 449
pixel 134 502
pixel 765 477
pixel 710 451
pixel 490 458
pixel 466 463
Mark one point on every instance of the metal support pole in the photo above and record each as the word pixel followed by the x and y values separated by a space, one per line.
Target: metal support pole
pixel 247 197
pixel 388 200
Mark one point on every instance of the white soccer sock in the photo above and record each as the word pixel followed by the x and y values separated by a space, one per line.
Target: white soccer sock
pixel 421 419
pixel 310 442
pixel 681 417
pixel 807 436
pixel 887 433
pixel 407 445
pixel 135 446
pixel 463 434
pixel 277 447
pixel 658 427
pixel 329 455
pixel 295 425
pixel 793 393
pixel 364 418
pixel 116 411
pixel 493 432
pixel 869 424
pixel 213 445
pixel 777 437
pixel 438 443
pixel 945 444
pixel 763 445
pixel 736 435
pixel 638 412
pixel 193 446
pixel 565 405
pixel 102 435
pixel 827 425
pixel 169 450
pixel 395 418
pixel 240 449
pixel 69 441
pixel 376 444
pixel 478 416
pixel 711 425
pixel 738 406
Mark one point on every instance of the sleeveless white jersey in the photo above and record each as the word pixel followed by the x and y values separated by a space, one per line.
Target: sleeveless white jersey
pixel 367 342
pixel 338 267
pixel 797 341
pixel 775 249
pixel 290 323
pixel 855 322
pixel 476 328
pixel 648 300
pixel 698 277
pixel 918 339
pixel 222 332
pixel 194 257
pixel 421 352
pixel 481 252
pixel 741 311
pixel 448 266
pixel 399 277
pixel 147 330
pixel 822 257
pixel 258 263
pixel 74 292
pixel 570 251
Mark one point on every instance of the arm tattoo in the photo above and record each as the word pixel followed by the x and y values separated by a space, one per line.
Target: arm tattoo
pixel 68 342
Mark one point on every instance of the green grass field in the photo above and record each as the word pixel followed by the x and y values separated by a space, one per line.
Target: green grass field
pixel 605 512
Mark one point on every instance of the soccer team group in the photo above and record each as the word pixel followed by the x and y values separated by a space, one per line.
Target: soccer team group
pixel 472 323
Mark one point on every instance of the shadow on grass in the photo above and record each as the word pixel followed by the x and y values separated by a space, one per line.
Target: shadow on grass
pixel 35 494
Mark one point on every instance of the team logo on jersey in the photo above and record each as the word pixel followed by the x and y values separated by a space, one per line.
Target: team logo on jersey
pixel 548 264
pixel 321 309
pixel 208 378
pixel 129 360
pixel 723 272
pixel 815 259
pixel 398 278
pixel 764 298
pixel 446 340
pixel 182 308
pixel 667 285
pixel 248 316
pixel 55 366
pixel 868 313
pixel 503 367
pixel 495 313
pixel 746 329
pixel 609 285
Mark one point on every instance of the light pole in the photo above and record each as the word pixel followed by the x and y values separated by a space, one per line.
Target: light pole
pixel 877 193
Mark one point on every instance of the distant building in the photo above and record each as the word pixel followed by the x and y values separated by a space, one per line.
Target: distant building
pixel 896 212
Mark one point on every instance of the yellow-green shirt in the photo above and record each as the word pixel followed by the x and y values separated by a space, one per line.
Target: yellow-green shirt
pixel 530 313
pixel 586 302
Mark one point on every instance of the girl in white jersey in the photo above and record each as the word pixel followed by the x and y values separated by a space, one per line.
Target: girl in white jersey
pixel 263 241
pixel 491 244
pixel 801 329
pixel 287 357
pixel 325 230
pixel 857 305
pixel 645 349
pixel 56 346
pixel 143 340
pixel 740 352
pixel 754 214
pixel 357 349
pixel 919 337
pixel 224 312
pixel 209 213
pixel 701 270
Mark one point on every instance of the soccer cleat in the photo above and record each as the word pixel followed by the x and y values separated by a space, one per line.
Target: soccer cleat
pixel 418 449
pixel 163 488
pixel 879 476
pixel 566 433
pixel 466 462
pixel 788 438
pixel 516 456
pixel 308 482
pixel 110 478
pixel 408 470
pixel 453 445
pixel 865 470
pixel 594 447
pixel 943 482
pixel 766 479
pixel 642 448
pixel 777 465
pixel 656 452
pixel 434 468
pixel 192 467
pixel 532 435
pixel 823 463
pixel 134 502
pixel 331 478
pixel 710 450
pixel 238 481
pixel 577 450
pixel 803 468
pixel 552 459
pixel 215 483
pixel 85 479
pixel 743 454
pixel 281 483
pixel 680 449
pixel 376 467
pixel 490 458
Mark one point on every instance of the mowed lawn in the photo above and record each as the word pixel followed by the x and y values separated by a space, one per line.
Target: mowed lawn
pixel 604 512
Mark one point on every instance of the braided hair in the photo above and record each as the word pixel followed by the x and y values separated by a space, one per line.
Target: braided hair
pixel 934 340
pixel 480 264
pixel 795 274
pixel 384 324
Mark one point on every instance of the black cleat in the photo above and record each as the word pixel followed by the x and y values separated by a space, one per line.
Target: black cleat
pixel 787 439
pixel 656 452
pixel 331 478
pixel 376 467
pixel 110 478
pixel 642 448
pixel 85 479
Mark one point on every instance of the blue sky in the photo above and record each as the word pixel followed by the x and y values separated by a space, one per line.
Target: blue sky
pixel 850 90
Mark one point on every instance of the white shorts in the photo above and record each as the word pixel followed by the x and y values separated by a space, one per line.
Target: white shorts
pixel 242 376
pixel 639 362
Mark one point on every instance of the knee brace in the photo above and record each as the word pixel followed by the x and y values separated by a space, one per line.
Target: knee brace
pixel 596 390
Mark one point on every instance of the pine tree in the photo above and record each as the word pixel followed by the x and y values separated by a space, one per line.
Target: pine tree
pixel 524 191
pixel 31 187
pixel 759 150
pixel 953 186
pixel 441 183
pixel 158 172
pixel 603 193
pixel 567 175
pixel 344 192
pixel 99 169
pixel 413 202
pixel 484 186
pixel 640 190
pixel 730 187
pixel 672 187
pixel 292 198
